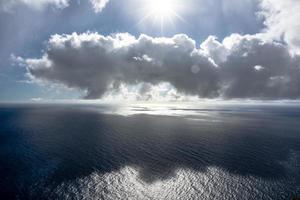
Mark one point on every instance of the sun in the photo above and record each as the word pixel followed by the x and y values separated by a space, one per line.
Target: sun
pixel 160 12
pixel 161 8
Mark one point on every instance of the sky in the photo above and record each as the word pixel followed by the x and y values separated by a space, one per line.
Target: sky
pixel 149 49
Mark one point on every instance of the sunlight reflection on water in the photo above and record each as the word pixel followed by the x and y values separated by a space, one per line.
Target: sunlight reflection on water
pixel 214 183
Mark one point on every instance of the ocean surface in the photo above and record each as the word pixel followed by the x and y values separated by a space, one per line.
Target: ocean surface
pixel 60 151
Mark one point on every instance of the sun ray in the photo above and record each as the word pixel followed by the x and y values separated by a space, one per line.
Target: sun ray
pixel 147 16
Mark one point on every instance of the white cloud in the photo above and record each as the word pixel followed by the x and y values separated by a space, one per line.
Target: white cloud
pixel 7 5
pixel 282 18
pixel 99 5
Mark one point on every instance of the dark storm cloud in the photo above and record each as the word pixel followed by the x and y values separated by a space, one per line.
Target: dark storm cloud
pixel 239 67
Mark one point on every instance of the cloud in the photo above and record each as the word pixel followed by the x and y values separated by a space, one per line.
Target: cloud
pixel 277 74
pixel 282 19
pixel 97 64
pixel 7 5
pixel 237 67
pixel 98 5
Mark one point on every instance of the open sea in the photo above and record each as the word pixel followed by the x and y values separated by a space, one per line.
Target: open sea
pixel 164 152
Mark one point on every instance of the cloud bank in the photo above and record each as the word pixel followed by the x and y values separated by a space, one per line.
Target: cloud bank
pixel 238 67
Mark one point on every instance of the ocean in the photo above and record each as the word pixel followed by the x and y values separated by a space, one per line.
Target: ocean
pixel 101 151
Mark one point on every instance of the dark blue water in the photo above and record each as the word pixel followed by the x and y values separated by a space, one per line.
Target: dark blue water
pixel 87 152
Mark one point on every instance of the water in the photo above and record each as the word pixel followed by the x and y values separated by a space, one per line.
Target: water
pixel 149 152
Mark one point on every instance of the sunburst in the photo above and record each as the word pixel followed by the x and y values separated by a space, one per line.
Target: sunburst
pixel 160 12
